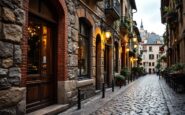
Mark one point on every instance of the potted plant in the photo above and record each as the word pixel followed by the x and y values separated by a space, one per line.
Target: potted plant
pixel 125 72
pixel 120 80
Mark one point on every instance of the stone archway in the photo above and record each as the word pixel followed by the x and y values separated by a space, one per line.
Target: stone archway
pixel 58 63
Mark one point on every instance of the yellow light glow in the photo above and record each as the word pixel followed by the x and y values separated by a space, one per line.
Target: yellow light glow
pixel 120 49
pixel 103 46
pixel 44 30
pixel 107 34
pixel 127 49
pixel 135 59
pixel 131 59
pixel 135 46
pixel 134 39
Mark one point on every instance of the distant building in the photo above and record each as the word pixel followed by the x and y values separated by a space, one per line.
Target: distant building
pixel 149 49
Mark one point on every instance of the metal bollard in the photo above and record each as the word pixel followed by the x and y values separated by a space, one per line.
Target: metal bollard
pixel 112 85
pixel 103 90
pixel 79 99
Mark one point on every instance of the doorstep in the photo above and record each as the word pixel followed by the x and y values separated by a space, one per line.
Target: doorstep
pixel 50 110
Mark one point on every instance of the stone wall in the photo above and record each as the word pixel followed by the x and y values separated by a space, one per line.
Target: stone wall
pixel 11 21
pixel 72 64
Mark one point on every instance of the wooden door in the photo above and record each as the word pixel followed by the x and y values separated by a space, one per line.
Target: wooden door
pixel 106 66
pixel 41 78
pixel 98 63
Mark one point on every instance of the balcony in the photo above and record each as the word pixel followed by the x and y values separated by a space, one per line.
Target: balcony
pixel 112 9
pixel 124 25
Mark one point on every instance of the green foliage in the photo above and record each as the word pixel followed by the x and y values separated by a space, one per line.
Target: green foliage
pixel 125 72
pixel 119 77
pixel 178 67
pixel 158 66
pixel 126 23
pixel 138 71
pixel 173 68
pixel 168 9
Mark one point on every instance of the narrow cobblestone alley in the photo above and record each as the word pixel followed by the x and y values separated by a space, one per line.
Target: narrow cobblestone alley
pixel 145 97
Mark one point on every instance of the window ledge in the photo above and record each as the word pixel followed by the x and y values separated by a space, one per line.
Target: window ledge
pixel 86 82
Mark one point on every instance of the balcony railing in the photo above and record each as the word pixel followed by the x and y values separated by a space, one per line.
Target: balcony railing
pixel 113 8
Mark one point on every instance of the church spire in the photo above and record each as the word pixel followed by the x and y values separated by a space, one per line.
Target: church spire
pixel 141 27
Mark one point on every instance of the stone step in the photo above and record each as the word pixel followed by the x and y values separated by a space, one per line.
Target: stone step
pixel 50 110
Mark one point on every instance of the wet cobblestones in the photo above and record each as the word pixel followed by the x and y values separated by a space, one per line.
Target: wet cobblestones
pixel 145 97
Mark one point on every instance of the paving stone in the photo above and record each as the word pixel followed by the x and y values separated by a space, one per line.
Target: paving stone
pixel 144 97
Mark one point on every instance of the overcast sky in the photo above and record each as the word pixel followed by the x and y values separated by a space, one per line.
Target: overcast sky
pixel 149 12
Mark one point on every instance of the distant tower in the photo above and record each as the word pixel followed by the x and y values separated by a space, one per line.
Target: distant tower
pixel 141 27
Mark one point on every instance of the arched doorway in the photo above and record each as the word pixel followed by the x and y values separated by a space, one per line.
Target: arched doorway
pixel 41 81
pixel 98 62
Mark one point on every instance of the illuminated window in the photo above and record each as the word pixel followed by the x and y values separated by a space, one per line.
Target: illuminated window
pixel 39 53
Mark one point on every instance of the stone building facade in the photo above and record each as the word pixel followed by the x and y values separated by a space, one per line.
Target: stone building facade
pixel 50 49
pixel 12 19
pixel 172 15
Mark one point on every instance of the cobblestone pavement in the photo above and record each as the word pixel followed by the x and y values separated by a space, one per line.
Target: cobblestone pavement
pixel 145 97
pixel 175 101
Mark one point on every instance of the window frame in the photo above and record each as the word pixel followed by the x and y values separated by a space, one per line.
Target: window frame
pixel 151 56
pixel 84 35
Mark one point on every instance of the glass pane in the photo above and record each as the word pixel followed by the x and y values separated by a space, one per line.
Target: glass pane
pixel 34 46
pixel 83 57
pixel 44 51
pixel 39 49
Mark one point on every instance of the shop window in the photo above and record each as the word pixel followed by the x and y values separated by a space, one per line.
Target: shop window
pixel 84 49
pixel 39 46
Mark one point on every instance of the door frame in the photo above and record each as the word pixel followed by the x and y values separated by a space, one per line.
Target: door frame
pixel 52 80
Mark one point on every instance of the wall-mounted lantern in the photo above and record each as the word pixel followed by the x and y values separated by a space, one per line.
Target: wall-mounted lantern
pixel 107 34
pixel 134 39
